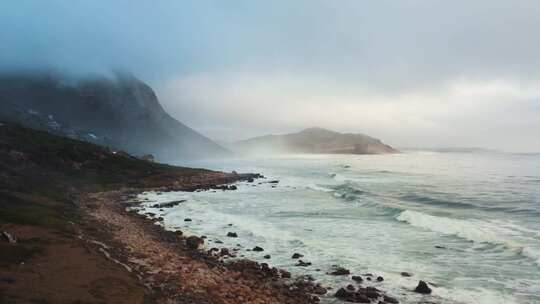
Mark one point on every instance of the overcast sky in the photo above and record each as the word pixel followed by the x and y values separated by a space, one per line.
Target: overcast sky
pixel 412 72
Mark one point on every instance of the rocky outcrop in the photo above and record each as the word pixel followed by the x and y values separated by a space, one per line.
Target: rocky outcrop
pixel 315 140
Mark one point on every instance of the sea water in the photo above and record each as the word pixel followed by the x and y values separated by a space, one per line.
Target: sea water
pixel 469 223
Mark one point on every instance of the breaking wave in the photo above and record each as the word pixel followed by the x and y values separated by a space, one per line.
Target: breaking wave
pixel 478 231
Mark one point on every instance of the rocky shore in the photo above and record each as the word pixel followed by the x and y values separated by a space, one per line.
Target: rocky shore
pixel 69 234
pixel 185 270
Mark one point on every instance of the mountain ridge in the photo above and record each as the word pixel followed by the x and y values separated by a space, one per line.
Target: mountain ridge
pixel 121 112
pixel 315 140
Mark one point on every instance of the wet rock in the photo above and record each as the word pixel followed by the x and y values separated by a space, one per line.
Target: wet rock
pixel 168 204
pixel 406 274
pixel 350 287
pixel 302 263
pixel 388 299
pixel 257 249
pixel 422 288
pixel 187 220
pixel 267 256
pixel 224 252
pixel 233 187
pixel 285 274
pixel 340 271
pixel 440 247
pixel 250 180
pixel 232 234
pixel 351 296
pixel 194 242
pixel 380 279
pixel 297 256
pixel 8 237
pixel 273 182
pixel 357 279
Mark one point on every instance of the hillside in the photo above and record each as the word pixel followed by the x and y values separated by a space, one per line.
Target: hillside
pixel 119 111
pixel 315 140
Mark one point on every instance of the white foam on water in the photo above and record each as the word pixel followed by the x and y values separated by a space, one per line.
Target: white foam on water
pixel 478 231
pixel 475 296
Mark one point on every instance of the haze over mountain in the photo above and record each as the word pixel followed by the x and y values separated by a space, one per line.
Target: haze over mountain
pixel 317 141
pixel 119 111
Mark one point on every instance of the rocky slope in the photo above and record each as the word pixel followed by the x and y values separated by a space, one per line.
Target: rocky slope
pixel 120 111
pixel 315 140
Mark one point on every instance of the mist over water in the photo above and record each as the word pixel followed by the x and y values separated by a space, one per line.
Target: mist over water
pixel 467 222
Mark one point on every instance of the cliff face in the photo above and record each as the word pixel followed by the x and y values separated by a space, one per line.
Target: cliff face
pixel 316 140
pixel 121 112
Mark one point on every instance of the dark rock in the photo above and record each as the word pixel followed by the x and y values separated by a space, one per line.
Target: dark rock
pixel 340 271
pixel 422 288
pixel 7 280
pixel 187 220
pixel 233 187
pixel 368 278
pixel 390 300
pixel 250 180
pixel 440 247
pixel 297 256
pixel 351 296
pixel 168 204
pixel 224 252
pixel 218 242
pixel 285 274
pixel 273 182
pixel 406 274
pixel 258 249
pixel 357 279
pixel 267 256
pixel 380 279
pixel 194 242
pixel 371 294
pixel 232 234
pixel 350 287
pixel 303 264
pixel 8 237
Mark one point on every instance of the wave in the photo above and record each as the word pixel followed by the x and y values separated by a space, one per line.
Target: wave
pixel 478 231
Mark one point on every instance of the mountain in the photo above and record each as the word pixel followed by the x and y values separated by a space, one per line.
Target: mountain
pixel 120 111
pixel 315 140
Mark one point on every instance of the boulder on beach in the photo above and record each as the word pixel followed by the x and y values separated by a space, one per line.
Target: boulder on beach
pixel 340 271
pixel 194 242
pixel 422 288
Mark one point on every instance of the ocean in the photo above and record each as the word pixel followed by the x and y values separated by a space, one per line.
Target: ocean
pixel 469 223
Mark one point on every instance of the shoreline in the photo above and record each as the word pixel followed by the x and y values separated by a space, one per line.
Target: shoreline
pixel 206 275
pixel 176 267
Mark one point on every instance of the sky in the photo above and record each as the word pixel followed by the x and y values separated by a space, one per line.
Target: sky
pixel 414 73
